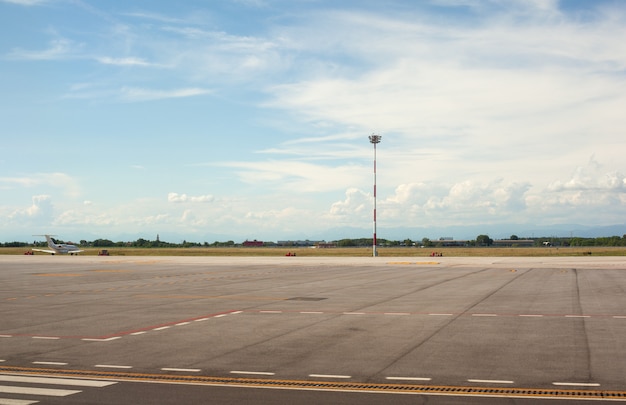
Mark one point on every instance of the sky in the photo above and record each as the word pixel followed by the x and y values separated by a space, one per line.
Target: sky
pixel 249 119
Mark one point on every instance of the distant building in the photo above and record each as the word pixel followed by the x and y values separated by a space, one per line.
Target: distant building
pixel 514 242
pixel 303 243
pixel 253 243
pixel 326 245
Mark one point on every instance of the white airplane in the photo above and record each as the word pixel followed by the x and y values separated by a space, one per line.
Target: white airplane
pixel 60 248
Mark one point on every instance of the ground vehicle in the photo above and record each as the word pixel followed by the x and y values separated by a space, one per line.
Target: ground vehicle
pixel 103 252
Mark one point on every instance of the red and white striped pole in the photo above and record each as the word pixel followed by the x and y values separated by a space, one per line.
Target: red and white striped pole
pixel 374 139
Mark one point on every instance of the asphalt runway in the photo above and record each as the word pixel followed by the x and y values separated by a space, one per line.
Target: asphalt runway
pixel 468 328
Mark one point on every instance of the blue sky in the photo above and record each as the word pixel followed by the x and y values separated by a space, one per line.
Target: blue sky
pixel 248 119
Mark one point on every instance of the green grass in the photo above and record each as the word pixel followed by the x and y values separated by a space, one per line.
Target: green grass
pixel 350 252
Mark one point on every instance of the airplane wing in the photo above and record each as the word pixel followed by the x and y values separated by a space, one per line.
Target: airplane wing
pixel 44 250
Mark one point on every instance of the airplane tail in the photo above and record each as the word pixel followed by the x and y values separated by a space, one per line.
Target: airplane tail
pixel 50 241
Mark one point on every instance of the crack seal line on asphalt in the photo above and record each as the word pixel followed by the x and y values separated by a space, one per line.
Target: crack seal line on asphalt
pixel 321 385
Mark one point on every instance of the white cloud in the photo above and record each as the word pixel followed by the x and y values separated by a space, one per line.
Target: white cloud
pixel 127 61
pixel 41 210
pixel 68 184
pixel 138 94
pixel 60 48
pixel 183 198
pixel 25 2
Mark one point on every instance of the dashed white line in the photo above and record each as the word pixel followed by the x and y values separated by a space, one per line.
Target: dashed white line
pixel 141 332
pixel 408 378
pixel 112 366
pixel 329 376
pixel 183 370
pixel 574 384
pixel 619 317
pixel 271 312
pixel 397 313
pixel 47 337
pixel 162 328
pixel 484 314
pixel 440 314
pixel 577 316
pixel 182 323
pixel 50 363
pixel 491 381
pixel 311 312
pixel 101 340
pixel 252 372
pixel 220 315
pixel 6 336
pixel 354 313
pixel 531 315
pixel 201 320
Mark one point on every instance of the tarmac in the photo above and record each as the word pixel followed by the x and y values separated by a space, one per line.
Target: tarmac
pixel 513 323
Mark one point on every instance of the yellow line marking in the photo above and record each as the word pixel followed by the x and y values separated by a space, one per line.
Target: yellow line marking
pixel 475 391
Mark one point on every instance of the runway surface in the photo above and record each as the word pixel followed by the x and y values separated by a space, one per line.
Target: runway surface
pixel 467 327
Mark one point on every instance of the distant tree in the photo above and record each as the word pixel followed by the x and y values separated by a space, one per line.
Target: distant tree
pixel 514 237
pixel 484 240
pixel 102 243
pixel 426 242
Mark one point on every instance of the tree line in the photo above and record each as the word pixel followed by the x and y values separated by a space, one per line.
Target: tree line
pixel 480 240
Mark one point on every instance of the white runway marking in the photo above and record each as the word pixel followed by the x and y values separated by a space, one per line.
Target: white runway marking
pixel 7 401
pixel 409 378
pixel 101 340
pixel 252 372
pixel 162 328
pixel 46 337
pixel 56 381
pixel 51 392
pixel 573 384
pixel 184 370
pixel 491 381
pixel 111 366
pixel 329 376
pixel 50 363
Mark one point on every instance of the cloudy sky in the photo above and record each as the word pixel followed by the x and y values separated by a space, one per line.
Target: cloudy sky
pixel 249 119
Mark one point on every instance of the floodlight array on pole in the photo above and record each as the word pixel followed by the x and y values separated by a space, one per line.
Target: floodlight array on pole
pixel 374 139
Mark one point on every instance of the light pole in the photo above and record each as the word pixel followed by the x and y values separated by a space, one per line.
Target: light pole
pixel 374 139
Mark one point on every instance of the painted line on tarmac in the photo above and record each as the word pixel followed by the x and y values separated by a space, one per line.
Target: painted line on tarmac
pixel 491 381
pixel 117 366
pixel 50 363
pixel 575 384
pixel 339 376
pixel 408 378
pixel 252 372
